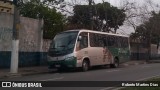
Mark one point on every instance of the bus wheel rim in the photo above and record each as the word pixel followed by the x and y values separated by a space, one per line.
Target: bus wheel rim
pixel 85 66
pixel 116 64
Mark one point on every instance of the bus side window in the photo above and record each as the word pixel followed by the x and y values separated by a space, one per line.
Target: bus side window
pixel 105 41
pixel 118 42
pixel 125 42
pixel 100 40
pixel 84 40
pixel 114 41
pixel 92 39
pixel 108 40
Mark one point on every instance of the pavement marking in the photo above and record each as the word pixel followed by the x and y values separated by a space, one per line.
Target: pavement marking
pixel 136 63
pixel 112 70
pixel 118 88
pixel 108 88
pixel 112 88
pixel 56 73
pixel 126 64
pixel 148 78
pixel 146 66
pixel 58 78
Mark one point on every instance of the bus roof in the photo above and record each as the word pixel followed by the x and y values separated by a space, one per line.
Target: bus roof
pixel 85 30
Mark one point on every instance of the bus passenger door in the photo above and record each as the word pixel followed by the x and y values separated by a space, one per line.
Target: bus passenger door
pixel 82 45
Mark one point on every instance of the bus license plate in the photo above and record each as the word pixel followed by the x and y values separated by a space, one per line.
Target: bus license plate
pixel 57 66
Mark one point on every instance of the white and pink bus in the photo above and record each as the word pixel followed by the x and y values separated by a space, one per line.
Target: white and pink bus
pixel 86 48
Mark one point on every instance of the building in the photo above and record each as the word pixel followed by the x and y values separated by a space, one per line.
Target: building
pixel 6 6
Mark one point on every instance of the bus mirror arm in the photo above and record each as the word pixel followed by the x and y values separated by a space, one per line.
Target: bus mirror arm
pixel 78 46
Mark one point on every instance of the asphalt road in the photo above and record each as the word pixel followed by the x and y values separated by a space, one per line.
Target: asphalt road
pixel 128 73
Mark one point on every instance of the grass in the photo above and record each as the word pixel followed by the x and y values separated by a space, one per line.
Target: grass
pixel 145 88
pixel 142 88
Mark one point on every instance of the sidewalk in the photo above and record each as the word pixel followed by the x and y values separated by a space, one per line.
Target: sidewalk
pixel 5 73
pixel 24 71
pixel 133 62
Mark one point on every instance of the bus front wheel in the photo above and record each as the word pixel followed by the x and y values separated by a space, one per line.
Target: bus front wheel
pixel 85 66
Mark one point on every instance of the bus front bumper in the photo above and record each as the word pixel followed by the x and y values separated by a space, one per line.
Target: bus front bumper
pixel 71 63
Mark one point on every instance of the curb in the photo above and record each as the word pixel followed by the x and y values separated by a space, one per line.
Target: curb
pixel 10 75
pixel 133 64
pixel 27 74
pixel 154 61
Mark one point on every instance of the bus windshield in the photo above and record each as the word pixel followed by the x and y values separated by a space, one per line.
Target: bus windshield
pixel 63 43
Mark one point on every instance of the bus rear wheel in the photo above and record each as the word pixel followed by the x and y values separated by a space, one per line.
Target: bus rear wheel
pixel 85 66
pixel 115 64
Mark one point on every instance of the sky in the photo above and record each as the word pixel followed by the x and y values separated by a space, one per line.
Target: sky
pixel 119 2
pixel 125 29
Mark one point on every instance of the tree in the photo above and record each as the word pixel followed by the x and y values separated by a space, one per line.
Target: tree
pixel 39 9
pixel 154 26
pixel 149 32
pixel 150 27
pixel 137 14
pixel 105 17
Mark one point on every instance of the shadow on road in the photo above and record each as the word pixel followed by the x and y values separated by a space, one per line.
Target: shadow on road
pixel 95 68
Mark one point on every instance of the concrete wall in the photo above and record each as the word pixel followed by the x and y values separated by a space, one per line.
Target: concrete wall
pixel 46 44
pixel 30 35
pixel 140 52
pixel 154 49
pixel 159 49
pixel 6 25
pixel 32 48
pixel 31 41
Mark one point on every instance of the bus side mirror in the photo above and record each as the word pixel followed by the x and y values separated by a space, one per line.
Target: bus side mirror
pixel 79 38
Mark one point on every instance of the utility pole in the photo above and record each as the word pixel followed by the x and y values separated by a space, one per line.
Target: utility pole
pixel 91 15
pixel 15 40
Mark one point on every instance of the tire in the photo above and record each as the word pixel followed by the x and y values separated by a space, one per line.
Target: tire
pixel 115 64
pixel 85 66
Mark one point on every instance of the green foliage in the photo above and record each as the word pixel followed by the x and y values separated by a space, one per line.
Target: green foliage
pixel 37 9
pixel 99 13
pixel 149 29
pixel 112 15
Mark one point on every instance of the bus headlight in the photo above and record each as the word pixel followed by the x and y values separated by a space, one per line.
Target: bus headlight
pixel 70 58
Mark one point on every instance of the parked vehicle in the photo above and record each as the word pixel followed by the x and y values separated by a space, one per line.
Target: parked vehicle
pixel 86 48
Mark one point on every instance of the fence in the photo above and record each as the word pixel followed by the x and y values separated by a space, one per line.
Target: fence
pixel 139 51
